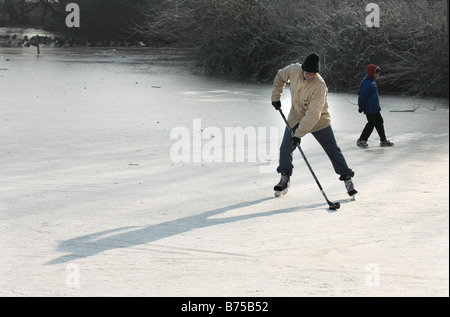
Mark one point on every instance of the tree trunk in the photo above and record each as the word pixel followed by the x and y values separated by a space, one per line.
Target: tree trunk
pixel 22 12
pixel 447 21
pixel 44 11
pixel 12 12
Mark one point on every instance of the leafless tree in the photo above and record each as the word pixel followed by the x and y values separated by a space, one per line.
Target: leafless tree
pixel 19 11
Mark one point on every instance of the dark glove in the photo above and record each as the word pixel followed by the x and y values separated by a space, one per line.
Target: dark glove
pixel 276 105
pixel 360 110
pixel 296 141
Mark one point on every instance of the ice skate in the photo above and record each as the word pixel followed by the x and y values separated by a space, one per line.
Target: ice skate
pixel 362 143
pixel 386 143
pixel 282 187
pixel 350 187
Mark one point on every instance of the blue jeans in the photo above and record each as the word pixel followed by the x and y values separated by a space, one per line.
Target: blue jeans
pixel 326 139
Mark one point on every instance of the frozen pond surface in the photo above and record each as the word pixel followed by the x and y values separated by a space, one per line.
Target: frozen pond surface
pixel 94 201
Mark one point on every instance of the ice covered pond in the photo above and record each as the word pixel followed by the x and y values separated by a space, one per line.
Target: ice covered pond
pixel 97 199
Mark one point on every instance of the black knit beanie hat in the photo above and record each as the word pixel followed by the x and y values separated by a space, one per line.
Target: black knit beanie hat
pixel 311 64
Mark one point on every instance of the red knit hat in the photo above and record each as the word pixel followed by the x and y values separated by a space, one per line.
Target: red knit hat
pixel 371 70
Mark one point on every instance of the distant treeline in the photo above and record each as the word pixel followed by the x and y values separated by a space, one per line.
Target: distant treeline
pixel 100 19
pixel 252 39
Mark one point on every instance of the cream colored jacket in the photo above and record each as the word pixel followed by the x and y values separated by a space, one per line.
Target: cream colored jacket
pixel 309 100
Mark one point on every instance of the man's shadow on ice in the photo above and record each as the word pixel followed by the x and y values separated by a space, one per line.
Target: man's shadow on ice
pixel 125 237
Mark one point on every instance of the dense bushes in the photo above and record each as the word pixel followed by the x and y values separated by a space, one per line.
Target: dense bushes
pixel 253 38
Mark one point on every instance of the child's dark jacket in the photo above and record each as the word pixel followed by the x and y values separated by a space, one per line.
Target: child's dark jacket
pixel 368 101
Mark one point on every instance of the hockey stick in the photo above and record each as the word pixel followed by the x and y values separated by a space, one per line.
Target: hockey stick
pixel 333 206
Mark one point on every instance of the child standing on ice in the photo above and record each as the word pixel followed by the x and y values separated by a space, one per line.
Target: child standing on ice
pixel 369 103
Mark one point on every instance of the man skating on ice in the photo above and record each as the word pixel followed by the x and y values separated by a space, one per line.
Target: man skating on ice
pixel 308 114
